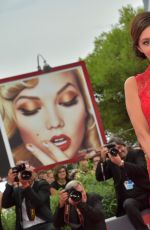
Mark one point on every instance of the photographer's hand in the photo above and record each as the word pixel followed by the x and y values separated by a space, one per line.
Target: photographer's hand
pixel 84 197
pixel 104 153
pixel 115 159
pixel 63 197
pixel 11 177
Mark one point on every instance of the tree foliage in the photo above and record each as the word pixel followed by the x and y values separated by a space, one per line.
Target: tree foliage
pixel 109 65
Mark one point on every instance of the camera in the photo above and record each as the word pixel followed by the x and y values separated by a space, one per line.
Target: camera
pixel 19 168
pixel 112 150
pixel 25 174
pixel 75 195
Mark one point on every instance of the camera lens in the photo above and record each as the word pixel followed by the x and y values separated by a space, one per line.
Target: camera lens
pixel 75 195
pixel 114 152
pixel 26 175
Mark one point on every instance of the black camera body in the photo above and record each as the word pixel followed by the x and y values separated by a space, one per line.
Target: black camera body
pixel 25 174
pixel 19 168
pixel 112 150
pixel 75 195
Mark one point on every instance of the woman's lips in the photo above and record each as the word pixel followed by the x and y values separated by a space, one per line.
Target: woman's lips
pixel 62 141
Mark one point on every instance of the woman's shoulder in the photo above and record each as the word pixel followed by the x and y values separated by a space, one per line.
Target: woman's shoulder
pixel 139 81
pixel 130 82
pixel 131 88
pixel 140 78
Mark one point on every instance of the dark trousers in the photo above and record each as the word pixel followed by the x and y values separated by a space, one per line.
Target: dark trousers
pixel 43 226
pixel 133 208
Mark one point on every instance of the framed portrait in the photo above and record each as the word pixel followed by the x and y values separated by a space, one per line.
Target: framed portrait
pixel 48 118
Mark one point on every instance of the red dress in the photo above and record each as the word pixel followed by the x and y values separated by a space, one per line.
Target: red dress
pixel 143 82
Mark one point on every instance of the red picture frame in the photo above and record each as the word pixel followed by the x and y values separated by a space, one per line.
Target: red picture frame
pixel 28 103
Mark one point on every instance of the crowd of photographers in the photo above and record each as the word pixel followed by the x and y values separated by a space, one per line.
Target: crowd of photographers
pixel 30 192
pixel 31 197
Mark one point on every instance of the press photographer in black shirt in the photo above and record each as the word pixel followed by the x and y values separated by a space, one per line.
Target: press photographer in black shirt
pixel 31 198
pixel 80 210
pixel 129 172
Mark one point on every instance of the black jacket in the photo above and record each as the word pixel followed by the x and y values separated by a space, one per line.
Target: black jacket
pixel 1 228
pixel 38 195
pixel 134 169
pixel 91 211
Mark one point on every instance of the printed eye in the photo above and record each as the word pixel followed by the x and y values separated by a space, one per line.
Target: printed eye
pixel 26 112
pixel 28 108
pixel 69 102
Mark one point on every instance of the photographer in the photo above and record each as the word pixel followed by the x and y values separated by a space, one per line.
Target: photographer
pixel 30 197
pixel 128 169
pixel 80 210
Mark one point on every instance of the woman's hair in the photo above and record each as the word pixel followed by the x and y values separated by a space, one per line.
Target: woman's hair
pixel 57 170
pixel 139 24
pixel 9 91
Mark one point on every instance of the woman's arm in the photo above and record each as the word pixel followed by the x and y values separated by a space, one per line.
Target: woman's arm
pixel 136 115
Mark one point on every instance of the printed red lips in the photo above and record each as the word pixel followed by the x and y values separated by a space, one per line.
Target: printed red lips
pixel 61 141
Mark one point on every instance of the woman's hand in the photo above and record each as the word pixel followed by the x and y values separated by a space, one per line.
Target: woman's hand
pixel 51 155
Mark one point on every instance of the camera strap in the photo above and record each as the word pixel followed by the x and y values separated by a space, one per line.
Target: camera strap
pixel 80 216
pixel 68 214
pixel 102 170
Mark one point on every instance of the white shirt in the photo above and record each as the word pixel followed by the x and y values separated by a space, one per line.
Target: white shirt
pixel 26 222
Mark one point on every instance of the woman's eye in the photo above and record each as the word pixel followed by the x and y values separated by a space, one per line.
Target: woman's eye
pixel 67 103
pixel 26 112
pixel 146 43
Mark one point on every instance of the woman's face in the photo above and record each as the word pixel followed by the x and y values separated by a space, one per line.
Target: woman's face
pixel 144 42
pixel 53 111
pixel 62 173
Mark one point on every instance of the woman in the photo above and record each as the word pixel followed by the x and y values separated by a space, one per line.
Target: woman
pixel 61 177
pixel 48 118
pixel 137 88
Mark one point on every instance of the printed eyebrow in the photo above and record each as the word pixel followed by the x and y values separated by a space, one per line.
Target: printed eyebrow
pixel 26 97
pixel 65 86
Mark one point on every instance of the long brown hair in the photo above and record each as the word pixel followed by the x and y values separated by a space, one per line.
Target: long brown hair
pixel 139 24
